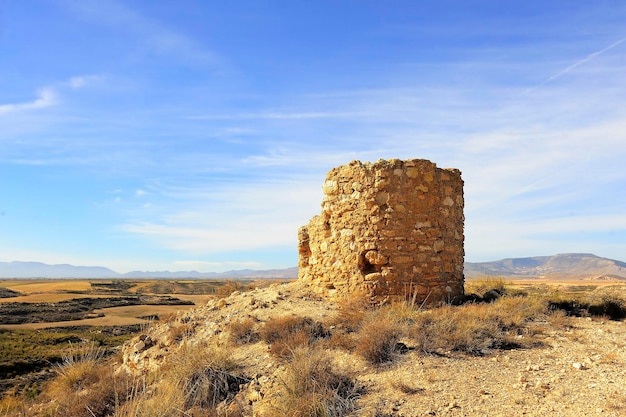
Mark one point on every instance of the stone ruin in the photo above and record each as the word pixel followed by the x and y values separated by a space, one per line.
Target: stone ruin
pixel 389 230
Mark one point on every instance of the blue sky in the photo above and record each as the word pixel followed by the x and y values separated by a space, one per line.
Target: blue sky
pixel 161 135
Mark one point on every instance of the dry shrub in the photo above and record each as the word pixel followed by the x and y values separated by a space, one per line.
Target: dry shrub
pixel 242 331
pixel 476 328
pixel 403 311
pixel 558 319
pixel 197 378
pixel 608 302
pixel 341 339
pixel 147 400
pixel 352 309
pixel 204 373
pixel 85 385
pixel 313 386
pixel 228 288
pixel 378 337
pixel 285 334
pixel 482 285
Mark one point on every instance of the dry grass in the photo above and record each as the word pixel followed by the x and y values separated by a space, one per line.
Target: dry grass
pixel 228 288
pixel 313 386
pixel 378 337
pixel 179 331
pixel 200 377
pixel 352 309
pixel 243 331
pixel 285 334
pixel 85 386
pixel 481 286
pixel 476 328
pixel 607 302
pixel 193 382
pixel 12 405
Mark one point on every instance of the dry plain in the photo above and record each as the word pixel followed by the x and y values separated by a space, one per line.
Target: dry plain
pixel 557 365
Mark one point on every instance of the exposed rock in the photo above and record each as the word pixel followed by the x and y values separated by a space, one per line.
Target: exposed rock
pixel 491 295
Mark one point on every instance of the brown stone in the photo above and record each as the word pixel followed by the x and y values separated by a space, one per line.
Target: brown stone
pixel 388 229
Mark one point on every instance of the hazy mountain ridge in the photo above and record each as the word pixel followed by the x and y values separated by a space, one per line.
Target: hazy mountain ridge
pixel 566 265
pixel 17 269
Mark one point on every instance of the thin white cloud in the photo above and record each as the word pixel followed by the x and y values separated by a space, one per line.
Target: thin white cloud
pixel 46 97
pixel 569 68
pixel 82 81
pixel 207 265
pixel 153 35
pixel 205 220
pixel 280 116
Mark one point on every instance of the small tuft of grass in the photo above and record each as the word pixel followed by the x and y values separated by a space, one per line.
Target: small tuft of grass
pixel 378 337
pixel 242 331
pixel 352 309
pixel 313 386
pixel 285 334
pixel 406 388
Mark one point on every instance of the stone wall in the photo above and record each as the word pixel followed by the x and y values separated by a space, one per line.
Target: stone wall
pixel 392 229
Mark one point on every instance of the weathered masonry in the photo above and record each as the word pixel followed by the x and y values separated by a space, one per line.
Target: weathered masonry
pixel 392 229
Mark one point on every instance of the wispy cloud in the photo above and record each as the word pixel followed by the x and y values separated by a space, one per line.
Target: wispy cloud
pixel 202 220
pixel 46 97
pixel 576 64
pixel 280 116
pixel 153 35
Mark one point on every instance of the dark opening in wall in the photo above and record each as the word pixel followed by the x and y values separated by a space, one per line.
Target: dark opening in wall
pixel 365 266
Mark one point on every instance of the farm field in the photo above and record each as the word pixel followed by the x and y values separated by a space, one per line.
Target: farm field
pixel 40 320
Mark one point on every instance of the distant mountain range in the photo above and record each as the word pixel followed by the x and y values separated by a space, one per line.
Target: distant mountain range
pixel 562 266
pixel 557 267
pixel 18 269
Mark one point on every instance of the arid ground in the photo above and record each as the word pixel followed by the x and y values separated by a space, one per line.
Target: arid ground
pixel 542 348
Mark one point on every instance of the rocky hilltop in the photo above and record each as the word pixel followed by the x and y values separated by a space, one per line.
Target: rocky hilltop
pixel 560 371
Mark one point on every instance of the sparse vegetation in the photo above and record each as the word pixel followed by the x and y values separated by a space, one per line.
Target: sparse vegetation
pixel 85 385
pixel 285 334
pixel 327 360
pixel 25 354
pixel 243 331
pixel 75 309
pixel 378 337
pixel 8 293
pixel 312 386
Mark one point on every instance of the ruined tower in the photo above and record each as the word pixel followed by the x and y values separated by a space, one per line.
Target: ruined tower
pixel 392 229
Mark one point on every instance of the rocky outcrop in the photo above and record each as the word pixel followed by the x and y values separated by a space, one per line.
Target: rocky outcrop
pixel 391 229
